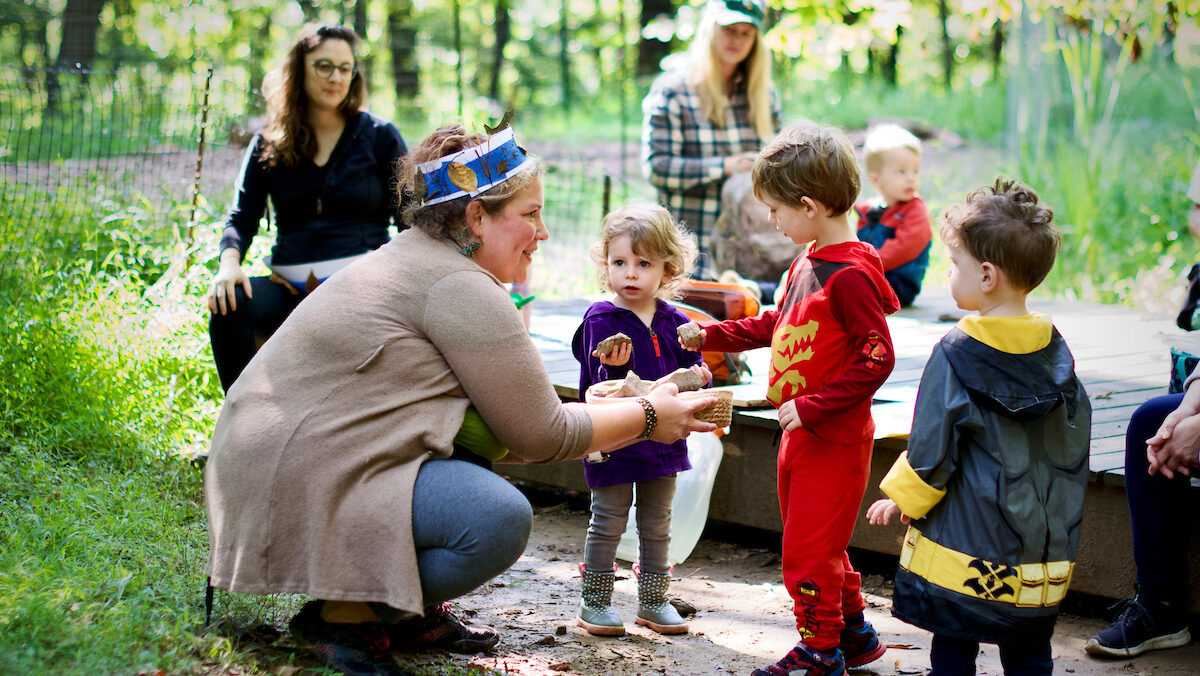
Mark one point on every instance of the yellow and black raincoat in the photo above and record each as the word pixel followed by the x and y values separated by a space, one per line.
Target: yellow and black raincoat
pixel 993 480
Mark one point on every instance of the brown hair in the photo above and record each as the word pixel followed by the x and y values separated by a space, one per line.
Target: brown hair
pixel 447 220
pixel 808 160
pixel 288 136
pixel 1004 224
pixel 654 235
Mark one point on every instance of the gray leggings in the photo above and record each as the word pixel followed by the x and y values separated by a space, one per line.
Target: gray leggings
pixel 610 513
pixel 469 525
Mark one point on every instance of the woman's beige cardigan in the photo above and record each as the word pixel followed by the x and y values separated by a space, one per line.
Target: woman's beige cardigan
pixel 316 450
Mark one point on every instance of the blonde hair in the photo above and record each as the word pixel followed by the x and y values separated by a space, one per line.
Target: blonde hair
pixel 808 160
pixel 655 235
pixel 885 138
pixel 704 73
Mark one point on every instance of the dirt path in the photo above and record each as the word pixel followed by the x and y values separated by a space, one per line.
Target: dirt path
pixel 743 619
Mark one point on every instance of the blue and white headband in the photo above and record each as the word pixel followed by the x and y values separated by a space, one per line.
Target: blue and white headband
pixel 473 170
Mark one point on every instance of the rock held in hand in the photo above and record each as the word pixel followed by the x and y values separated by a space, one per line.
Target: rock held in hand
pixel 689 335
pixel 605 347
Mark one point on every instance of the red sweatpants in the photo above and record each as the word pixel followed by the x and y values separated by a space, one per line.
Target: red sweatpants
pixel 821 487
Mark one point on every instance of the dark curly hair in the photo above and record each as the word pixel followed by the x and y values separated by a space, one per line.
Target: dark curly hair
pixel 1006 225
pixel 447 220
pixel 288 136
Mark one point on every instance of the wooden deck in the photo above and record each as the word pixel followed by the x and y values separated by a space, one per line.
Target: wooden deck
pixel 1120 356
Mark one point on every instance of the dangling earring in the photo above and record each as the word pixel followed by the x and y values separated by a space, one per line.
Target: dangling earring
pixel 471 249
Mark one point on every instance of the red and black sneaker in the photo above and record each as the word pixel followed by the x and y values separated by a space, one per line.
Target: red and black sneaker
pixel 353 649
pixel 805 661
pixel 440 628
pixel 860 645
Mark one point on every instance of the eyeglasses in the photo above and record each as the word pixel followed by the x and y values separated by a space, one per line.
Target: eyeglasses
pixel 325 69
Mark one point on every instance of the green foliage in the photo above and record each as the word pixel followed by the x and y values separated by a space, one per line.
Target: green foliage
pixel 1113 158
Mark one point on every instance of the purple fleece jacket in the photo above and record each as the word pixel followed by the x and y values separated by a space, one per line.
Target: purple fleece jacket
pixel 644 460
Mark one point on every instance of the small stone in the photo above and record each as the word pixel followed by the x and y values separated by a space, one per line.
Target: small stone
pixel 561 630
pixel 690 336
pixel 606 346
pixel 546 640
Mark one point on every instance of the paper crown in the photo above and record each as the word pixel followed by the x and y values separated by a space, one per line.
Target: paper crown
pixel 473 170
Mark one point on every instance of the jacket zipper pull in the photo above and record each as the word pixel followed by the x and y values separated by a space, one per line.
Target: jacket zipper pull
pixel 318 206
pixel 654 339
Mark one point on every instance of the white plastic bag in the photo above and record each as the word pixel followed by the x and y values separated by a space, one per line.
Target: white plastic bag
pixel 689 509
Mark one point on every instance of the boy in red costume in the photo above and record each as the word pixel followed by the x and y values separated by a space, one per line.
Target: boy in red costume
pixel 830 350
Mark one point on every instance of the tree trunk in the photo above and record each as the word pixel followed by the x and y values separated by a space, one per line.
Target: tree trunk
pixel 80 24
pixel 360 27
pixel 998 52
pixel 564 63
pixel 650 50
pixel 891 66
pixel 503 33
pixel 402 38
pixel 947 48
pixel 309 8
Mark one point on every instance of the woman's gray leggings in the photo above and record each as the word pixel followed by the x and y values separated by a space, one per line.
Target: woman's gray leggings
pixel 469 525
pixel 610 513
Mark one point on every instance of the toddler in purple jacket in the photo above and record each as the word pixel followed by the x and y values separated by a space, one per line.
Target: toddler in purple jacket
pixel 644 257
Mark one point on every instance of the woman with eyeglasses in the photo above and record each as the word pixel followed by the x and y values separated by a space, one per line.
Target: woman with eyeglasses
pixel 328 168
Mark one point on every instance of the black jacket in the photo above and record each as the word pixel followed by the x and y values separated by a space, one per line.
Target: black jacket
pixel 339 209
pixel 1005 436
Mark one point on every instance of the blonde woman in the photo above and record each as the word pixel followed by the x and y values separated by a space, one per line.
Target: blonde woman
pixel 706 121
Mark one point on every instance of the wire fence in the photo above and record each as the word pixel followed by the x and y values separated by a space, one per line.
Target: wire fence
pixel 139 149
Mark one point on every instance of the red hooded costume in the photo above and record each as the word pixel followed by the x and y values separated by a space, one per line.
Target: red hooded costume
pixel 830 351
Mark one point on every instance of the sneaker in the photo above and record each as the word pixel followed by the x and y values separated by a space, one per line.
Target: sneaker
pixel 805 661
pixel 352 649
pixel 440 628
pixel 860 645
pixel 1139 628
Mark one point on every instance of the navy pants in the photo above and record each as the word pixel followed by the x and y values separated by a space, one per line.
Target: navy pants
pixel 233 334
pixel 1158 508
pixel 956 657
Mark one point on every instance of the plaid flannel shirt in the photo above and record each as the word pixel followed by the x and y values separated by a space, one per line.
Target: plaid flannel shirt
pixel 683 154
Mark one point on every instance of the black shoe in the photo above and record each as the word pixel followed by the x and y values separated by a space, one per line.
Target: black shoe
pixel 441 629
pixel 1143 625
pixel 353 649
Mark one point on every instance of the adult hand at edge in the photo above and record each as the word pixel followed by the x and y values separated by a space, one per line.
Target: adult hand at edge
pixel 229 275
pixel 676 417
pixel 1177 450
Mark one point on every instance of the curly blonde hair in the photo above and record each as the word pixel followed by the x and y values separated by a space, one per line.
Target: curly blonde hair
pixel 288 135
pixel 655 235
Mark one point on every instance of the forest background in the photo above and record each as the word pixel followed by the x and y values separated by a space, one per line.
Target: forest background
pixel 110 208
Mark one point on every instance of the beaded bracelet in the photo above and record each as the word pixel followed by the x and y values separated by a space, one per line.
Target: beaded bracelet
pixel 651 418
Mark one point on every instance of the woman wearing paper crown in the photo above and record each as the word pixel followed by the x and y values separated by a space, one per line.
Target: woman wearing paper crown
pixel 706 120
pixel 328 167
pixel 330 471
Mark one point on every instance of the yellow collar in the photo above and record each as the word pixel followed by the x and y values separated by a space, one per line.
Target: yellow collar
pixel 1015 335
